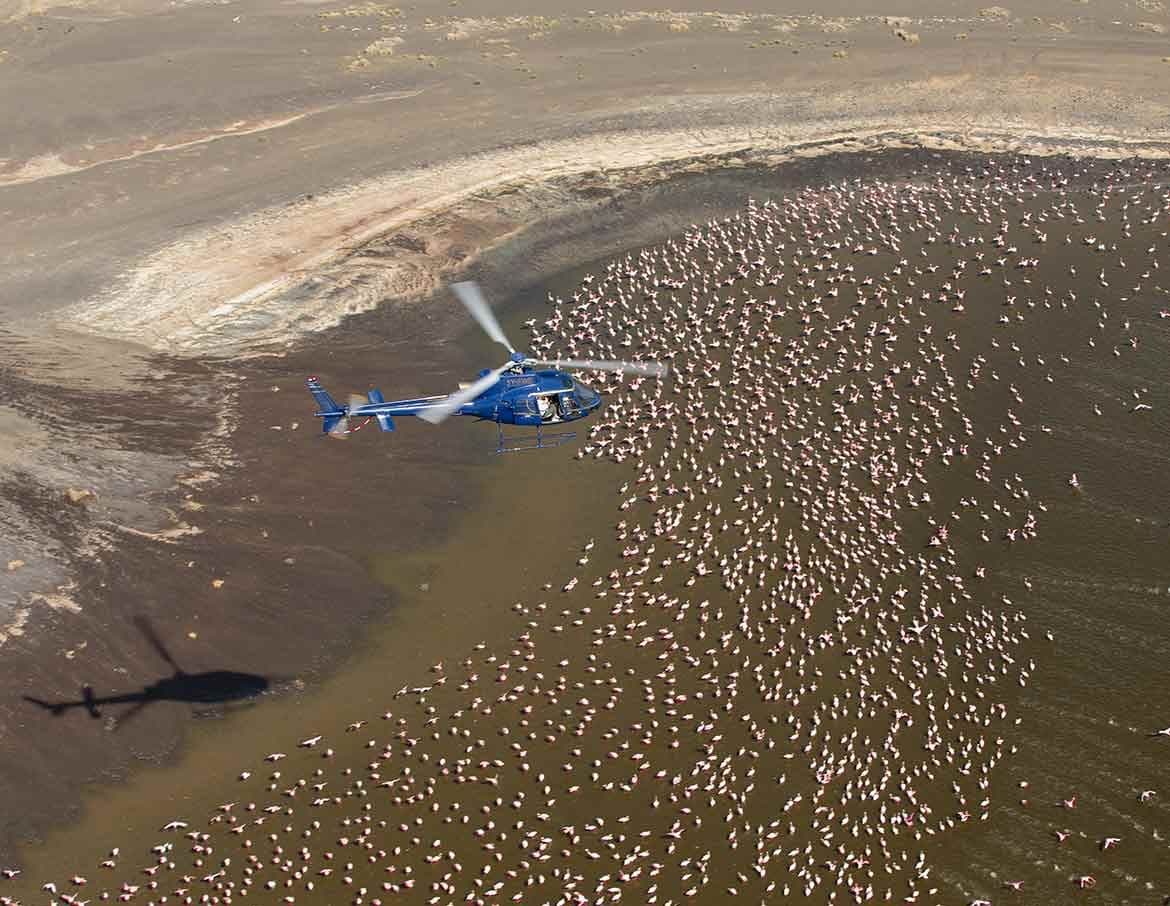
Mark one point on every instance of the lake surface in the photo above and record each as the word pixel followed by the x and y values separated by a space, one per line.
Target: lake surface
pixel 844 625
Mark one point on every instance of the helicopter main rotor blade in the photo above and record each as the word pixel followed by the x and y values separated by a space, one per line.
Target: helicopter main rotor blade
pixel 472 298
pixel 147 629
pixel 442 410
pixel 654 369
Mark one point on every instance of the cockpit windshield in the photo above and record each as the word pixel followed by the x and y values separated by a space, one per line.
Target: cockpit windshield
pixel 586 396
pixel 570 406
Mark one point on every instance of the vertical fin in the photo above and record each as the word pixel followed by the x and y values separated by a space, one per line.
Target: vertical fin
pixel 327 403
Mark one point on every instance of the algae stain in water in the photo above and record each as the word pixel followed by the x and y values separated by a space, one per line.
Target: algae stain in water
pixel 404 574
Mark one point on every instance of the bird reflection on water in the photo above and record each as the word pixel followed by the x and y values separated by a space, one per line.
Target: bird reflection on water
pixel 207 688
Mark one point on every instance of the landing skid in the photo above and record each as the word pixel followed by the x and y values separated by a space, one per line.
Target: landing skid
pixel 541 441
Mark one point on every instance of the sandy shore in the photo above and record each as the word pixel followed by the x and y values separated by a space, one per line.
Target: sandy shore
pixel 212 181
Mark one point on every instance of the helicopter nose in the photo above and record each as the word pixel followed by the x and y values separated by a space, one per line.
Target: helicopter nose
pixel 589 397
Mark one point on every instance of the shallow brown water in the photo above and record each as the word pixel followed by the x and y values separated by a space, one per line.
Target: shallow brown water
pixel 831 722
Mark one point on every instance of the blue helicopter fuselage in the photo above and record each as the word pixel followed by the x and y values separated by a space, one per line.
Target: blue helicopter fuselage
pixel 521 396
pixel 527 397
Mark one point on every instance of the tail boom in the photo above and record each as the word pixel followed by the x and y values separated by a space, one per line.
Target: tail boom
pixel 378 407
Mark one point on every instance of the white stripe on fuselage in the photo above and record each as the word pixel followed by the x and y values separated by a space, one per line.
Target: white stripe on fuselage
pixel 422 402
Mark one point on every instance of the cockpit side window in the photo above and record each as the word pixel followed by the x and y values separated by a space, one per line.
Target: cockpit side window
pixel 585 395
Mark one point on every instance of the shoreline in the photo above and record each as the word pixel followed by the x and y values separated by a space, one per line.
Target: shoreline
pixel 255 318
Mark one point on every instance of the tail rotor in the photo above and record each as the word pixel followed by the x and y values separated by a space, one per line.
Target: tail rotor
pixel 342 428
pixel 336 418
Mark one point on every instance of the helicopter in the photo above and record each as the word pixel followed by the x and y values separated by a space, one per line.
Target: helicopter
pixel 523 391
pixel 207 688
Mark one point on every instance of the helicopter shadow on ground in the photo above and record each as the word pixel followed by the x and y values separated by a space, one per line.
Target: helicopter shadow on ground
pixel 212 688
